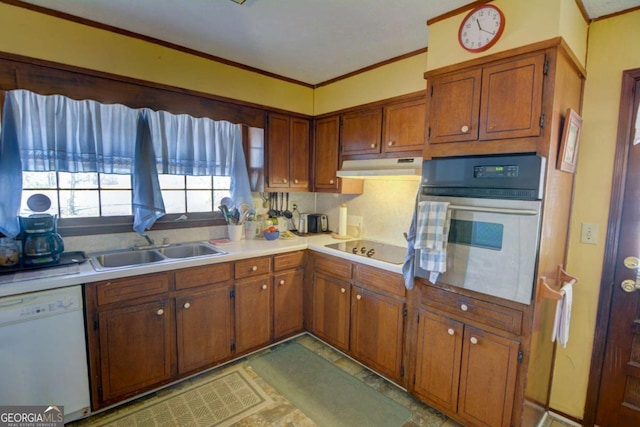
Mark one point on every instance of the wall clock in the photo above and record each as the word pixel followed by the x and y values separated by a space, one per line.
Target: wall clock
pixel 481 28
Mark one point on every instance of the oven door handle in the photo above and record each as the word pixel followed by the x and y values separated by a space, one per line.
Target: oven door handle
pixel 494 210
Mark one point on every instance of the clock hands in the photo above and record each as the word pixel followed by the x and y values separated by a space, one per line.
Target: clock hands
pixel 482 29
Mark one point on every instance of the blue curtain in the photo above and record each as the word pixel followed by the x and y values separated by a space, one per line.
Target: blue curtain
pixel 56 133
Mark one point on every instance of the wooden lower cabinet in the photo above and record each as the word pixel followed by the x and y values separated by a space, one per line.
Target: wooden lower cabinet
pixel 253 316
pixel 331 309
pixel 136 348
pixel 287 303
pixel 203 328
pixel 377 331
pixel 465 370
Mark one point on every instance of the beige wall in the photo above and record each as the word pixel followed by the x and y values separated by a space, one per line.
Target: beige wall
pixel 611 51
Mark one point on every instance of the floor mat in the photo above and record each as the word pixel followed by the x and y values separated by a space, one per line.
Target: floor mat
pixel 219 401
pixel 325 393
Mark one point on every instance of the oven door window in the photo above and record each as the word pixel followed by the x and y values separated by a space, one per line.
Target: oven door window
pixel 488 235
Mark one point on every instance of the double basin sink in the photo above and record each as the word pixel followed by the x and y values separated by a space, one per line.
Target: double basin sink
pixel 136 257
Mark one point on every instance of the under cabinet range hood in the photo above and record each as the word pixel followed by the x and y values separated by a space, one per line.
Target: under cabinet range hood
pixel 397 168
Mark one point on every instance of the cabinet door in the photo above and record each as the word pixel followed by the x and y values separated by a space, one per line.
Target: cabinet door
pixel 487 378
pixel 278 134
pixel 360 132
pixel 287 303
pixel 253 313
pixel 326 154
pixel 404 126
pixel 331 309
pixel 377 331
pixel 454 107
pixel 438 356
pixel 204 327
pixel 136 348
pixel 512 99
pixel 299 155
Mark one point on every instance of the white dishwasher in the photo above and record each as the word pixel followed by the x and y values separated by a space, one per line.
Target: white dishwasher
pixel 43 358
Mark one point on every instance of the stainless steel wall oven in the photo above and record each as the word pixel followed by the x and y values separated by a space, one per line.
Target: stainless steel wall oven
pixel 495 204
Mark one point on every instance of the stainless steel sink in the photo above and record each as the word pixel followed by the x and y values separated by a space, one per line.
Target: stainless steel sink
pixel 129 257
pixel 122 259
pixel 189 250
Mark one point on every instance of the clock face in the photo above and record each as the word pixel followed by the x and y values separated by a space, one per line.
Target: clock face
pixel 481 28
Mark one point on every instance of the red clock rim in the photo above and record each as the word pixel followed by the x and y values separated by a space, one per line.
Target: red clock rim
pixel 495 39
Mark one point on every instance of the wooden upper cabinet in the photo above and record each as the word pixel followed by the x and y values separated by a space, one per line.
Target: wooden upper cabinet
pixel 454 106
pixel 326 154
pixel 511 97
pixel 287 153
pixel 361 132
pixel 498 101
pixel 404 126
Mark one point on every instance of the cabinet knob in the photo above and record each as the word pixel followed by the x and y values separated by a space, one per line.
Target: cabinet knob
pixel 295 181
pixel 160 312
pixel 450 331
pixel 473 340
pixel 264 287
pixel 373 145
pixel 464 129
pixel 284 180
pixel 343 290
pixel 464 307
pixel 331 181
pixel 254 268
pixel 358 297
pixel 390 143
pixel 282 282
pixel 187 305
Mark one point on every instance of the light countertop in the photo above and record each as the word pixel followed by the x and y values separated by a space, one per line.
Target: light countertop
pixel 58 277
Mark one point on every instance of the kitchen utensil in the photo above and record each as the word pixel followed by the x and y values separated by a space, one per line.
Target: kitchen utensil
pixel 225 212
pixel 272 211
pixel 288 214
pixel 278 204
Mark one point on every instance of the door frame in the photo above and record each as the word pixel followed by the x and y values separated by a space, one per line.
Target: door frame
pixel 625 123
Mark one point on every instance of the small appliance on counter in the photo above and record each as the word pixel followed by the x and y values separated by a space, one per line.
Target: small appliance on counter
pixel 317 223
pixel 41 244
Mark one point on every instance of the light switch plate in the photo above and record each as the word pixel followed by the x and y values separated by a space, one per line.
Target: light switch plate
pixel 589 233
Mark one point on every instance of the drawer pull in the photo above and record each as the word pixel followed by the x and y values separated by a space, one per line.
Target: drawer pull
pixel 473 340
pixel 464 129
pixel 358 297
pixel 264 287
pixel 160 312
pixel 464 307
pixel 343 290
pixel 295 181
pixel 390 143
pixel 282 282
pixel 331 181
pixel 186 305
pixel 450 331
pixel 254 268
pixel 373 145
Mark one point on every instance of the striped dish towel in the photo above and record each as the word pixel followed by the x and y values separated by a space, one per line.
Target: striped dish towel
pixel 432 231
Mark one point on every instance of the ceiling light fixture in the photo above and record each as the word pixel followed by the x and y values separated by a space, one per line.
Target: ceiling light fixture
pixel 238 1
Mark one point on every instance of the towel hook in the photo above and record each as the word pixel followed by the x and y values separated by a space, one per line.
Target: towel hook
pixel 545 291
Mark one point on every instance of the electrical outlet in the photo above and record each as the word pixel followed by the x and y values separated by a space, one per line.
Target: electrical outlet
pixel 589 233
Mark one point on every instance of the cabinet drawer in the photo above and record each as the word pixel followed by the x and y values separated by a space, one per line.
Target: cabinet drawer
pixel 337 267
pixel 198 276
pixel 380 280
pixel 134 287
pixel 288 261
pixel 464 307
pixel 252 267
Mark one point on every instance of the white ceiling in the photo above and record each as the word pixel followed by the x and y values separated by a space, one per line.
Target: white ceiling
pixel 310 41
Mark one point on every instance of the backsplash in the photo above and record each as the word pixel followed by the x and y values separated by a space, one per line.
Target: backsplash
pixel 386 208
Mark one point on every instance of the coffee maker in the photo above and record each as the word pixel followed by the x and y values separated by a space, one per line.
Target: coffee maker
pixel 41 244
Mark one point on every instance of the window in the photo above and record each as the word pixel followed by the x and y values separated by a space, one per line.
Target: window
pixel 91 195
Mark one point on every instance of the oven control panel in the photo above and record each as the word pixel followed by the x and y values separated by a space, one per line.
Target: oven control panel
pixel 495 171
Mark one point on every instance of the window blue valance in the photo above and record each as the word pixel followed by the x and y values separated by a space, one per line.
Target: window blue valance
pixel 56 133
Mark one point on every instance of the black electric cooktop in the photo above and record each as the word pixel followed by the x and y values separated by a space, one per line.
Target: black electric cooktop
pixel 375 250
